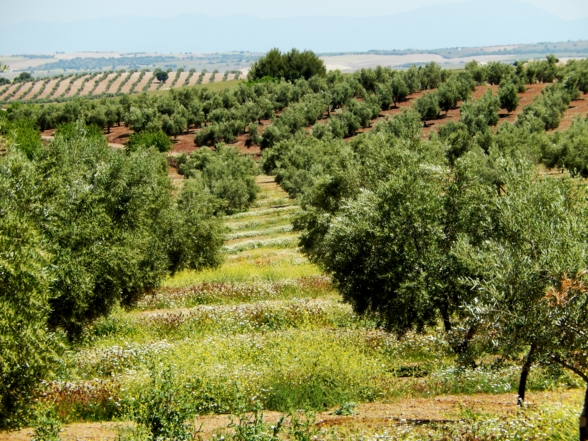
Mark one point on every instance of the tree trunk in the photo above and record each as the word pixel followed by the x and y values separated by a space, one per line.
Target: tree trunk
pixel 583 423
pixel 524 375
pixel 461 349
pixel 583 419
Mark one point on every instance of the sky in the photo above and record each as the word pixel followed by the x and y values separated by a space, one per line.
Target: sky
pixel 16 11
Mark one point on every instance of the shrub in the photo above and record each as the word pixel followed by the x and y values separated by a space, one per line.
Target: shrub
pixel 161 410
pixel 148 139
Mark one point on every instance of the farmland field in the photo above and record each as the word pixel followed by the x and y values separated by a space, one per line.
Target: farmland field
pixel 184 143
pixel 94 85
pixel 350 270
pixel 267 324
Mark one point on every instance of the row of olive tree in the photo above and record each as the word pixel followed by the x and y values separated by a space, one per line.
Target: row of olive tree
pixel 225 115
pixel 83 228
pixel 459 229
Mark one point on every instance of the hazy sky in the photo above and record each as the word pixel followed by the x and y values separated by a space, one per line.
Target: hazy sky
pixel 14 11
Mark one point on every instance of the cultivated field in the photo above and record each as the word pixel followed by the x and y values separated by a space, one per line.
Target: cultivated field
pixel 63 88
pixel 267 323
pixel 263 346
pixel 185 143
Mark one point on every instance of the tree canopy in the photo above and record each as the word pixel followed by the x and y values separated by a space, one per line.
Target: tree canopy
pixel 290 65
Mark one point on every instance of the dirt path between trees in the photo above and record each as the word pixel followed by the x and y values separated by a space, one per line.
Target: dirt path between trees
pixel 416 411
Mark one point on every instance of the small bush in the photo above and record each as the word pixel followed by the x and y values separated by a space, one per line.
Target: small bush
pixel 151 138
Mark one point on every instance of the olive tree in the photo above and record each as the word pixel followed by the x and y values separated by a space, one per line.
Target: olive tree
pixel 384 224
pixel 290 65
pixel 28 351
pixel 479 114
pixel 448 94
pixel 427 106
pixel 532 272
pixel 226 173
pixel 508 96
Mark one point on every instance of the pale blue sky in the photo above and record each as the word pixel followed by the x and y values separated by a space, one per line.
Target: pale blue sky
pixel 14 11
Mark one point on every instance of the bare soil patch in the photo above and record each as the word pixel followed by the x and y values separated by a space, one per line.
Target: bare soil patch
pixel 49 88
pixel 76 85
pixel 9 91
pixel 62 87
pixel 33 91
pixel 353 62
pixel 194 79
pixel 143 82
pixel 154 85
pixel 127 87
pixel 117 83
pixel 102 86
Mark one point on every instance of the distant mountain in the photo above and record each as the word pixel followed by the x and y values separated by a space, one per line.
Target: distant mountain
pixel 473 23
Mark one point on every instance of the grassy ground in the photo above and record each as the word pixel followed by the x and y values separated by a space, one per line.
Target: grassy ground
pixel 267 327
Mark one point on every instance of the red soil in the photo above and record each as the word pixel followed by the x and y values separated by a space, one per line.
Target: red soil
pixel 185 143
pixel 579 107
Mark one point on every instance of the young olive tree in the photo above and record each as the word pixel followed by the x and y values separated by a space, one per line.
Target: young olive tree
pixel 508 96
pixel 427 106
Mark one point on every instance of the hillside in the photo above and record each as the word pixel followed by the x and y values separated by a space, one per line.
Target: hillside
pixel 107 84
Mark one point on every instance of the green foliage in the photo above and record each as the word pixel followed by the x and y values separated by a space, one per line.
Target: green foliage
pixel 497 72
pixel 161 410
pixel 431 76
pixel 23 77
pixel 458 139
pixel 530 268
pixel 427 106
pixel 48 425
pixel 196 234
pixel 161 75
pixel 546 111
pixel 480 114
pixel 159 140
pixel 290 65
pixel 571 148
pixel 23 136
pixel 226 173
pixel 448 95
pixel 507 94
pixel 27 351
